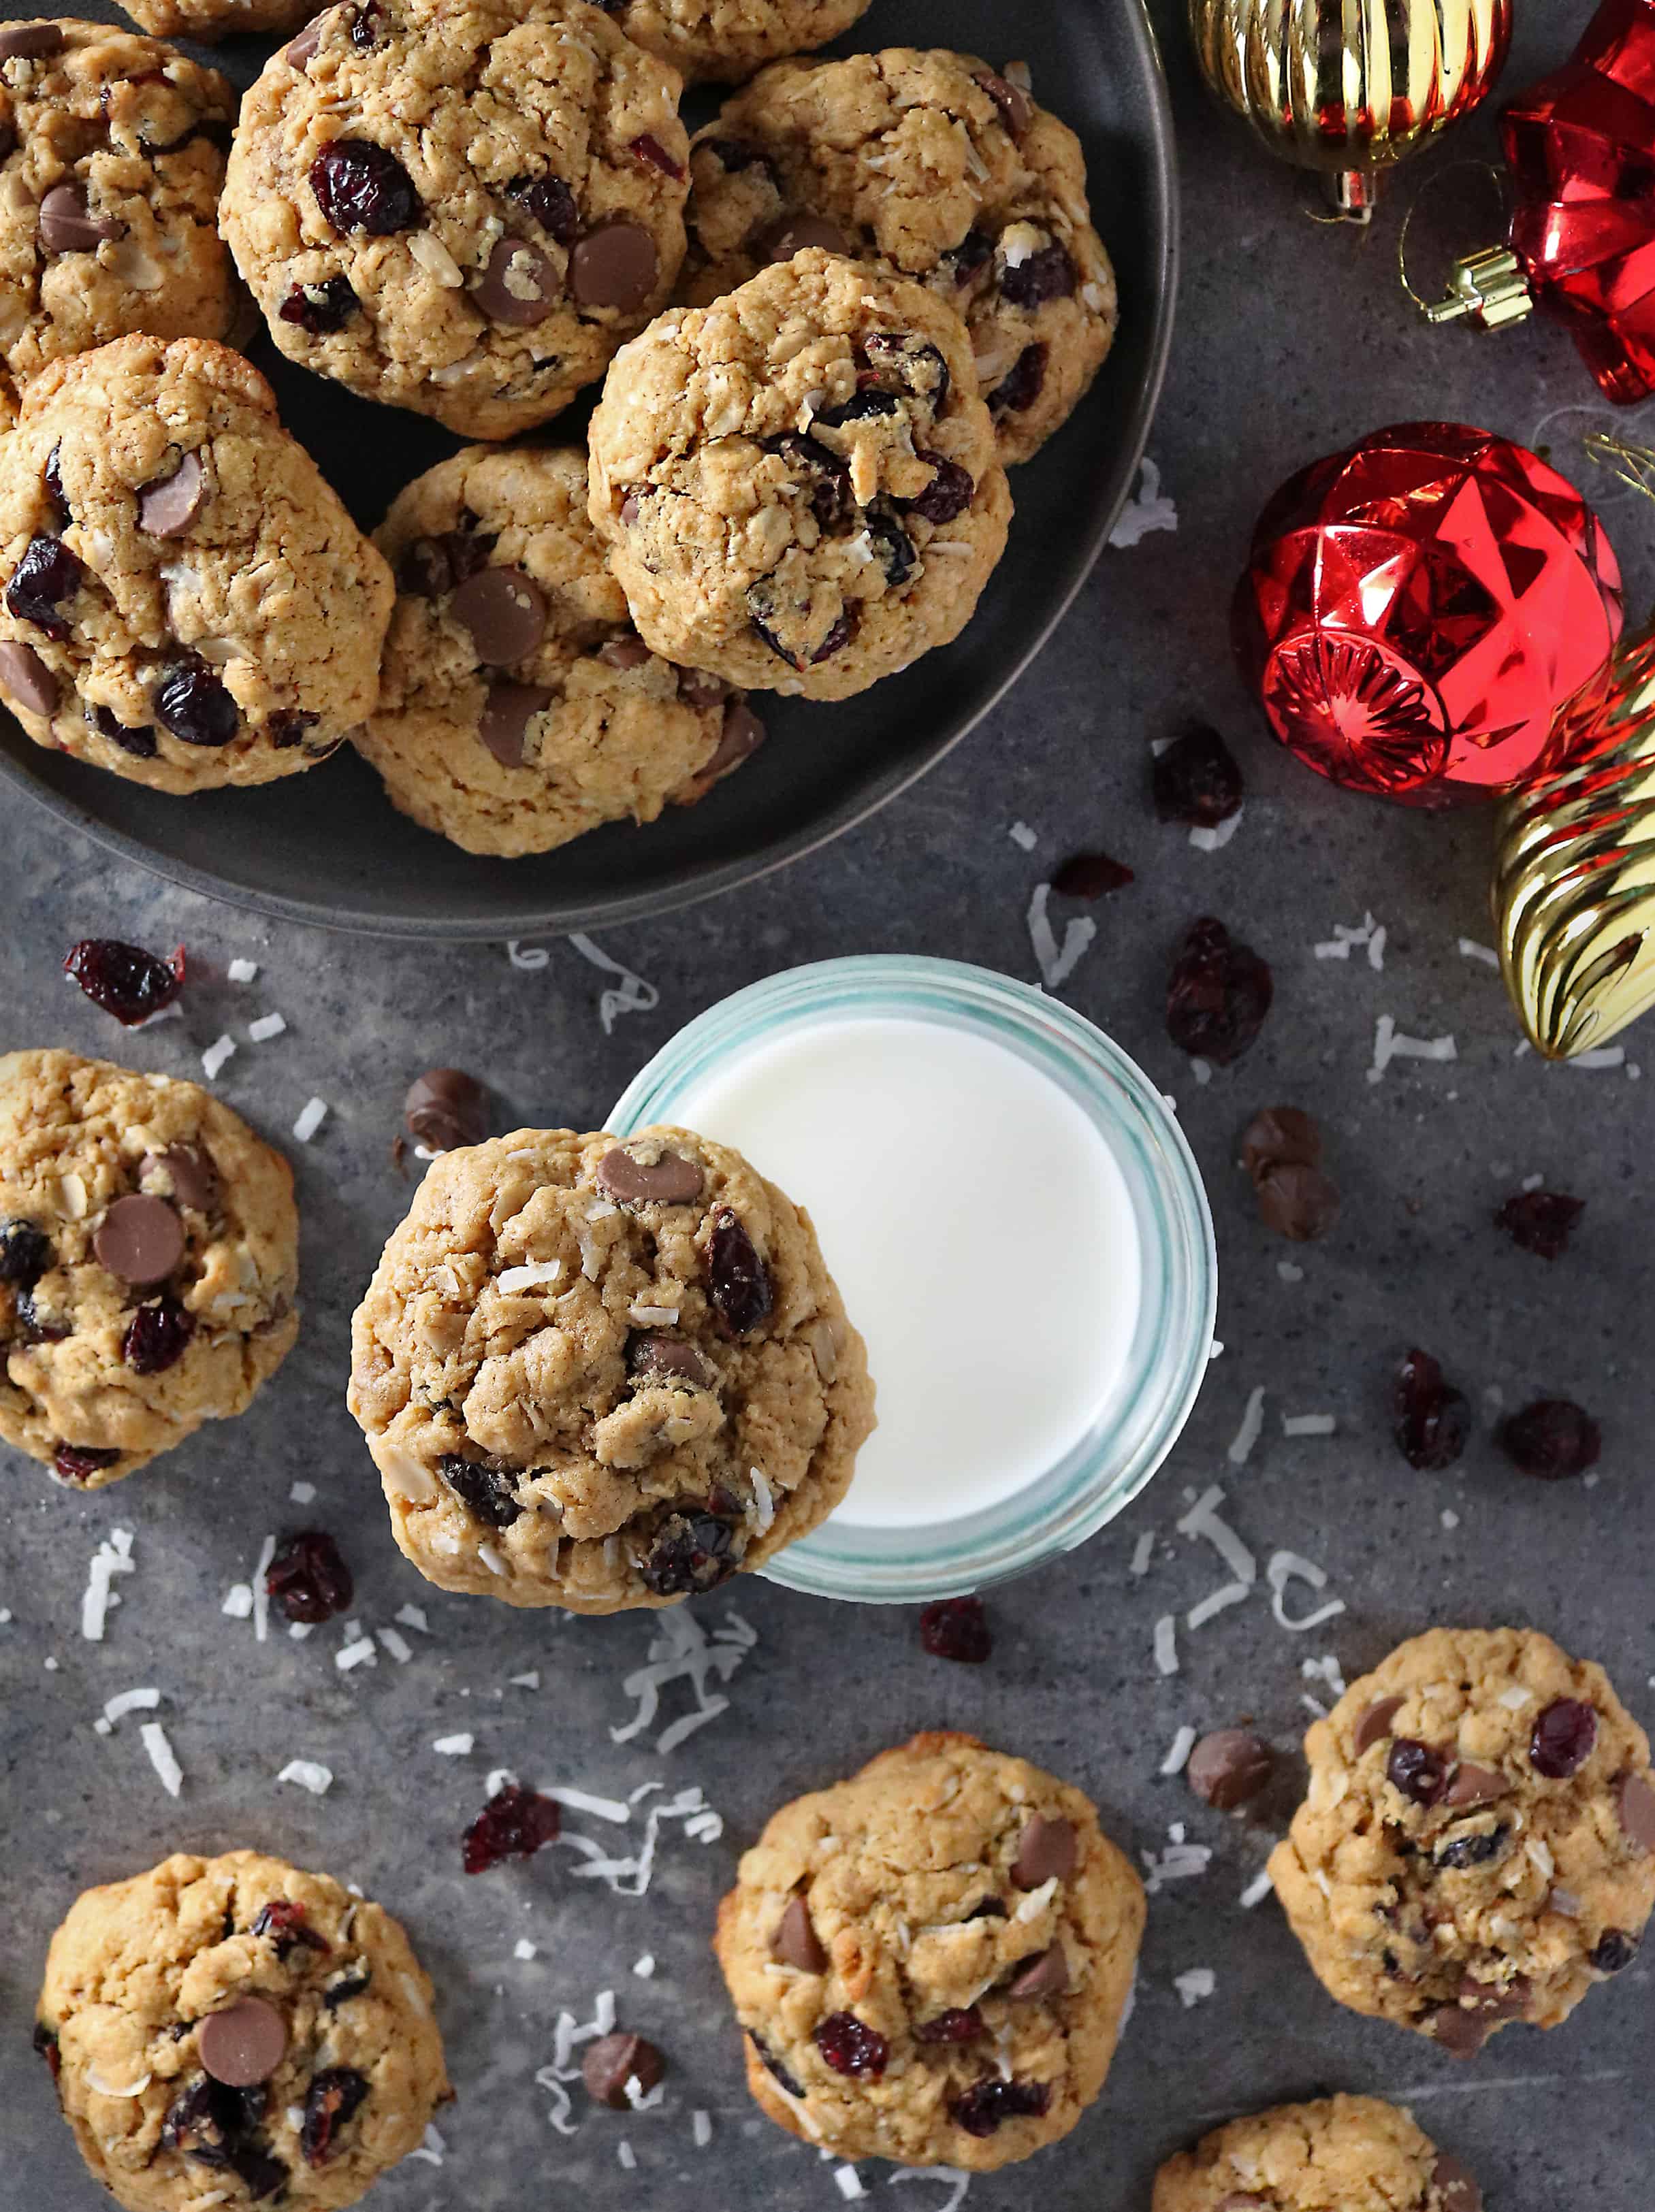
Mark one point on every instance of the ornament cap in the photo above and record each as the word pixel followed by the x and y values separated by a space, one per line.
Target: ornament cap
pixel 1490 289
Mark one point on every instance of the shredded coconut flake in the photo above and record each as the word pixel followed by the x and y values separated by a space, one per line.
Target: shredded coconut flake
pixel 309 1774
pixel 951 2178
pixel 260 1593
pixel 700 2129
pixel 1023 837
pixel 396 1644
pixel 109 1559
pixel 218 1054
pixel 681 1649
pixel 1213 840
pixel 359 1652
pixel 522 1949
pixel 582 1800
pixel 303 1493
pixel 454 1746
pixel 1143 1552
pixel 849 2183
pixel 1056 965
pixel 530 958
pixel 1285 1567
pixel 645 1966
pixel 1166 1644
pixel 242 971
pixel 413 1616
pixel 238 1602
pixel 162 1758
pixel 1252 1427
pixel 310 1120
pixel 1217 1601
pixel 1203 1520
pixel 629 995
pixel 1289 1272
pixel 1257 1889
pixel 1145 511
pixel 1308 1425
pixel 1194 1984
pixel 266 1027
pixel 1470 950
pixel 529 1277
pixel 1605 1056
pixel 1177 1757
pixel 1179 1861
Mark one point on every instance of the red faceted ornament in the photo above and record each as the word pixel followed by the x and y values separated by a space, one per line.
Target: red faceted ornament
pixel 1417 609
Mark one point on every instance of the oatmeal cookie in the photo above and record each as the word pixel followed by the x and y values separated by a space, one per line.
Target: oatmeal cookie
pixel 798 485
pixel 149 1261
pixel 728 40
pixel 600 1373
pixel 1339 2155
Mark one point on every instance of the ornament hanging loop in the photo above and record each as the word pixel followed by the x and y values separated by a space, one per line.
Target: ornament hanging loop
pixel 1489 288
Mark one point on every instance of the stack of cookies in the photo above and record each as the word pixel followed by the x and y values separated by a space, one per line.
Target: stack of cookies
pixel 824 328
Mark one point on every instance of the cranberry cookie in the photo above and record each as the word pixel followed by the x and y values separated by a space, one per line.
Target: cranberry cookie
pixel 148 1261
pixel 1477 1845
pixel 938 169
pixel 1354 2153
pixel 798 485
pixel 519 708
pixel 233 2031
pixel 931 1962
pixel 462 211
pixel 599 1374
pixel 730 38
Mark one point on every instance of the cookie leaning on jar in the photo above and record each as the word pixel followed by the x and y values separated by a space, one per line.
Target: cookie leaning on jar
pixel 602 1374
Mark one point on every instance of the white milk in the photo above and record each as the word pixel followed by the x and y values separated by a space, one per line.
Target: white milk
pixel 979 1229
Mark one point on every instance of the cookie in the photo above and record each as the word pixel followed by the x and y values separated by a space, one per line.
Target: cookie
pixel 186 603
pixel 798 484
pixel 1477 1844
pixel 112 159
pixel 462 211
pixel 232 2025
pixel 519 708
pixel 600 1373
pixel 931 1962
pixel 728 40
pixel 207 20
pixel 1356 2154
pixel 935 167
pixel 148 1262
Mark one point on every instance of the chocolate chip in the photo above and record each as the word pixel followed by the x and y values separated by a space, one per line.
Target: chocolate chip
pixel 617 2063
pixel 141 1239
pixel 30 42
pixel 1476 1785
pixel 1461 2033
pixel 795 1941
pixel 519 286
pixel 741 735
pixel 1454 2183
pixel 1299 1203
pixel 168 506
pixel 1635 1806
pixel 669 1180
pixel 626 653
pixel 1090 876
pixel 794 233
pixel 243 2044
pixel 1279 1136
pixel 1016 108
pixel 1047 1975
pixel 25 679
pixel 1230 1767
pixel 1046 1852
pixel 445 1108
pixel 507 712
pixel 300 51
pixel 66 224
pixel 657 1359
pixel 505 612
pixel 615 266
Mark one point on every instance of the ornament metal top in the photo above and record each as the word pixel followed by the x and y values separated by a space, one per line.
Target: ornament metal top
pixel 1350 86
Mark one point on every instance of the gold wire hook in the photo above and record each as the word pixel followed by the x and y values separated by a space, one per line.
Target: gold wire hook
pixel 1634 464
pixel 1426 185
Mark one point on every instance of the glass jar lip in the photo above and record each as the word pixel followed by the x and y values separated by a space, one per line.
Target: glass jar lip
pixel 1173 1344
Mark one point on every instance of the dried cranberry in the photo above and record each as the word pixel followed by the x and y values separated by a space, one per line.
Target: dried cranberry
pixel 1540 1221
pixel 850 2046
pixel 1022 385
pixel 870 400
pixel 693 1550
pixel 321 308
pixel 551 203
pixel 1432 1420
pixel 956 1628
pixel 649 152
pixel 262 2174
pixel 52 476
pixel 831 501
pixel 75 1463
pixel 836 639
pixel 959 2024
pixel 290 728
pixel 124 980
pixel 308 1578
pixel 1050 273
pixel 330 2101
pixel 194 705
pixel 1090 876
pixel 25 1253
pixel 38 1327
pixel 733 156
pixel 1218 994
pixel 513 1824
pixel 347 1984
pixel 1419 1773
pixel 1563 1739
pixel 47 575
pixel 897 364
pixel 773 2067
pixel 988 2104
pixel 974 250
pixel 140 743
pixel 201 2122
pixel 485 1490
pixel 283 1922
pixel 361 186
pixel 893 546
pixel 1553 1439
pixel 364 26
pixel 1473 1849
pixel 46 2046
pixel 949 493
pixel 1614 1951
pixel 738 1281
pixel 1197 780
pixel 156 1336
pixel 433 566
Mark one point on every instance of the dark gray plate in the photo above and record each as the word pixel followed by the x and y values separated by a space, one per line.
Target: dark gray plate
pixel 328 848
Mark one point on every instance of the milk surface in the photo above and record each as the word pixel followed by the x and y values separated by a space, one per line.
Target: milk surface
pixel 979 1229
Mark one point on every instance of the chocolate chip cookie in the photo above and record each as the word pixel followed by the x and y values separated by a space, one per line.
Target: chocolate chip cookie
pixel 186 601
pixel 519 707
pixel 112 159
pixel 728 40
pixel 931 1961
pixel 938 168
pixel 1356 2154
pixel 598 1374
pixel 798 484
pixel 1477 1845
pixel 232 2030
pixel 459 210
pixel 148 1261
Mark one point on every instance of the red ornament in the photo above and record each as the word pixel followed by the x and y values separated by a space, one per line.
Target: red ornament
pixel 1417 609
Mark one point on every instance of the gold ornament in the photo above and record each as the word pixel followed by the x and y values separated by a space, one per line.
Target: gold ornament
pixel 1350 86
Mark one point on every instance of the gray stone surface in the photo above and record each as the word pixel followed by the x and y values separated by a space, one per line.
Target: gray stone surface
pixel 1291 339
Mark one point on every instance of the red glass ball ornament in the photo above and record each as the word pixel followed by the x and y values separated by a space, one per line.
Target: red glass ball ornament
pixel 1417 609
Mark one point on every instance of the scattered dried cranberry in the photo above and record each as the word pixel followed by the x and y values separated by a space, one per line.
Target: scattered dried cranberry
pixel 319 309
pixel 308 1578
pixel 1218 994
pixel 1048 274
pixel 213 2124
pixel 361 186
pixel 693 1550
pixel 1419 1773
pixel 850 2046
pixel 1197 780
pixel 432 567
pixel 738 1281
pixel 552 205
pixel 1540 1221
pixel 894 547
pixel 46 2046
pixel 869 401
pixel 156 1336
pixel 1432 1420
pixel 124 980
pixel 1552 1439
pixel 959 2024
pixel 1022 385
pixel 988 2104
pixel 649 152
pixel 1090 876
pixel 956 1628
pixel 513 1824
pixel 75 1463
pixel 25 1253
pixel 330 2101
pixel 47 575
pixel 1614 1952
pixel 52 476
pixel 949 493
pixel 832 502
pixel 1563 1739
pixel 773 2066
pixel 194 705
pixel 283 1922
pixel 485 1490
pixel 1473 1849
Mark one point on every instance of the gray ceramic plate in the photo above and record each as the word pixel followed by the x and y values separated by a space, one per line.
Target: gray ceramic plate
pixel 328 848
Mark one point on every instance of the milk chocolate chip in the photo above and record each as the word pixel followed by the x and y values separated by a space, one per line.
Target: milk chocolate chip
pixel 1457 2187
pixel 1476 1785
pixel 505 612
pixel 797 231
pixel 25 679
pixel 168 506
pixel 1229 1768
pixel 141 1239
pixel 521 286
pixel 795 1941
pixel 1046 1850
pixel 1374 1725
pixel 669 1180
pixel 615 266
pixel 30 42
pixel 190 1169
pixel 507 712
pixel 1047 1975
pixel 615 2063
pixel 445 1109
pixel 1635 1803
pixel 244 2044
pixel 657 1359
pixel 66 225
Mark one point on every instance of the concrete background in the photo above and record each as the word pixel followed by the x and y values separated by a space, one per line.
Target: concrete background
pixel 1292 339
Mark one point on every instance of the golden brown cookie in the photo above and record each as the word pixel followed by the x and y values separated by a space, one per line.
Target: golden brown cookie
pixel 1339 2155
pixel 728 40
